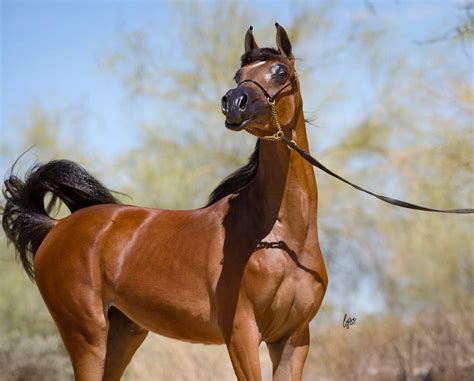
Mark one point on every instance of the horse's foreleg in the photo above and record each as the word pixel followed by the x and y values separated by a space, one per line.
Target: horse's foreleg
pixel 242 345
pixel 288 356
pixel 123 340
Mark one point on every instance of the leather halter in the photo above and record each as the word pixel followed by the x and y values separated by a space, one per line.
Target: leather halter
pixel 271 101
pixel 280 135
pixel 271 98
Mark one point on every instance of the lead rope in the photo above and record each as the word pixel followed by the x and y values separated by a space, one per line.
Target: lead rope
pixel 279 135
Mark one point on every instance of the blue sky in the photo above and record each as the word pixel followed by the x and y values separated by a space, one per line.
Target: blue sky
pixel 50 54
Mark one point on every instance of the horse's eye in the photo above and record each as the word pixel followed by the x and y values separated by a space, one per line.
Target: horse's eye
pixel 279 72
pixel 237 79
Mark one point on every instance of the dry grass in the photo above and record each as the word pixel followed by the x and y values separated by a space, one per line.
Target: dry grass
pixel 429 348
pixel 160 358
pixel 33 358
pixel 434 347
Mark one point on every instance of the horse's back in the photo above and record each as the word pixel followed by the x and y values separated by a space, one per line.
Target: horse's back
pixel 71 237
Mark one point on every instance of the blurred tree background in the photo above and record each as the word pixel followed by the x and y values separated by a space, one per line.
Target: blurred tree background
pixel 407 276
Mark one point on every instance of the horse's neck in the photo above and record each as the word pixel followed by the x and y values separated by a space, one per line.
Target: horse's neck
pixel 285 188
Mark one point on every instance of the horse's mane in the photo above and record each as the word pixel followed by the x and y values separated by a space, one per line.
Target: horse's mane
pixel 238 179
pixel 244 175
pixel 259 54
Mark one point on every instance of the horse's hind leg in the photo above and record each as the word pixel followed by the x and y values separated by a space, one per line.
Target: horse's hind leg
pixel 124 338
pixel 85 338
pixel 78 312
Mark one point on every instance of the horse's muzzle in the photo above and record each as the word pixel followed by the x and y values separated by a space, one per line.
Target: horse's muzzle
pixel 237 107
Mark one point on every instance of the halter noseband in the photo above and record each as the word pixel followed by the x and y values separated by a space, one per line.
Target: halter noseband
pixel 271 101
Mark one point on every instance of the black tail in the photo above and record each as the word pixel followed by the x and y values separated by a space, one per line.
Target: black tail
pixel 25 218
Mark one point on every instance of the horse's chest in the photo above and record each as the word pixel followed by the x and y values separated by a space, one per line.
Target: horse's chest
pixel 284 293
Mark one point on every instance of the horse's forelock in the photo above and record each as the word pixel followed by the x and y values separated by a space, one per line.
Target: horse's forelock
pixel 259 54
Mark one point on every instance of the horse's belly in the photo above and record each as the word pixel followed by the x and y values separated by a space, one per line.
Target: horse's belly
pixel 169 298
pixel 173 315
pixel 157 277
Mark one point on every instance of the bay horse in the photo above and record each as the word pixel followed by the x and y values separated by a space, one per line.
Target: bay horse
pixel 245 268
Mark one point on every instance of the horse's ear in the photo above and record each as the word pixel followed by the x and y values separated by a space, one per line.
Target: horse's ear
pixel 250 42
pixel 283 42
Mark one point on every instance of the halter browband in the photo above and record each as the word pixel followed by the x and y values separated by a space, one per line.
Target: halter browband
pixel 279 135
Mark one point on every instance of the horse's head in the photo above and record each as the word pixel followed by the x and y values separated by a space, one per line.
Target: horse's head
pixel 266 76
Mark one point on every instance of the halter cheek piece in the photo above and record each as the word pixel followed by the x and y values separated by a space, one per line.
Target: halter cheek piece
pixel 271 101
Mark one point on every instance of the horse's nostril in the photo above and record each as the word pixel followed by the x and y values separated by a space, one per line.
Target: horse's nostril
pixel 243 100
pixel 224 104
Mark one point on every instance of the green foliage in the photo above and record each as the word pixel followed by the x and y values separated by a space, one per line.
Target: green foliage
pixel 415 142
pixel 169 173
pixel 21 306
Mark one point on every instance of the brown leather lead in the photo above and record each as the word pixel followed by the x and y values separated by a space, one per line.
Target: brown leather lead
pixel 403 204
pixel 313 161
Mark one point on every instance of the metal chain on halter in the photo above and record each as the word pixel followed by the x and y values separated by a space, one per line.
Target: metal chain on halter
pixel 271 101
pixel 277 135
